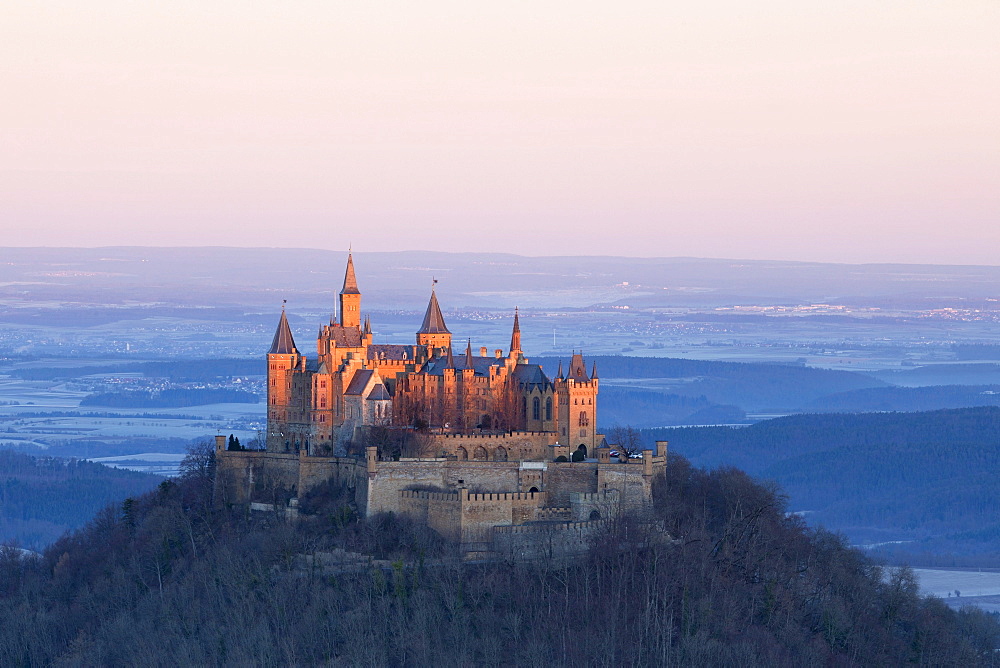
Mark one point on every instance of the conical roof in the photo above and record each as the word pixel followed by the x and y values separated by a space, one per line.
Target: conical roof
pixel 350 281
pixel 515 335
pixel 283 342
pixel 433 320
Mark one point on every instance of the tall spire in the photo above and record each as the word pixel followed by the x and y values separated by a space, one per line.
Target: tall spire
pixel 350 297
pixel 350 281
pixel 559 375
pixel 468 355
pixel 283 343
pixel 515 335
pixel 593 371
pixel 451 360
pixel 433 320
pixel 368 325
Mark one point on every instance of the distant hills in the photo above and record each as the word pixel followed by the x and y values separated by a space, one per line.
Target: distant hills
pixel 927 477
pixel 260 276
pixel 43 497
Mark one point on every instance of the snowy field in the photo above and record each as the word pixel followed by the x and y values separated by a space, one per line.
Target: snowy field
pixel 975 587
pixel 160 463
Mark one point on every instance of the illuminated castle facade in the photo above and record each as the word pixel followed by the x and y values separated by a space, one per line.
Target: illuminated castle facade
pixel 473 404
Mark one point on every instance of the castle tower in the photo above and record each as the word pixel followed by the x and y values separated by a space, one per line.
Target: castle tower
pixel 350 297
pixel 282 361
pixel 577 400
pixel 433 333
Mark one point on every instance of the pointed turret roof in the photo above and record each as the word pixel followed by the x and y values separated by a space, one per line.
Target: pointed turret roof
pixel 593 371
pixel 468 355
pixel 515 335
pixel 350 281
pixel 559 375
pixel 577 369
pixel 283 343
pixel 433 320
pixel 451 360
pixel 368 325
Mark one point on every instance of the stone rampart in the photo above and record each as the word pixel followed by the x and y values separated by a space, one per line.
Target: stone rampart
pixel 545 539
pixel 440 511
pixel 508 446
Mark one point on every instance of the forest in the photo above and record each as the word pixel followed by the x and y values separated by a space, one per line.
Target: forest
pixel 43 497
pixel 717 573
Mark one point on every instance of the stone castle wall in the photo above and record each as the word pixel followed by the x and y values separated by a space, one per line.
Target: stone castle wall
pixel 509 446
pixel 257 475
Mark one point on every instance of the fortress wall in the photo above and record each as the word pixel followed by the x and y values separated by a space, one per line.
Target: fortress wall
pixel 391 478
pixel 317 470
pixel 628 480
pixel 545 540
pixel 481 512
pixel 440 511
pixel 565 478
pixel 605 504
pixel 254 475
pixel 520 445
pixel 243 475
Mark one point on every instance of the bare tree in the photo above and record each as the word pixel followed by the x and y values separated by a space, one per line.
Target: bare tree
pixel 627 440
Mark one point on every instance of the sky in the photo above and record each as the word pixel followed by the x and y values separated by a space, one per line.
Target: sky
pixel 849 131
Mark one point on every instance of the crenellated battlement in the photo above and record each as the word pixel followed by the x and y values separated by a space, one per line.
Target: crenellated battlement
pixel 549 527
pixel 505 436
pixel 508 496
pixel 429 496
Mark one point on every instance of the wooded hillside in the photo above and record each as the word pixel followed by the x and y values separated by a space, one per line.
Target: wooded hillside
pixel 717 574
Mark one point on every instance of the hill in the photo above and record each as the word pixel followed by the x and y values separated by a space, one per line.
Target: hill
pixel 751 387
pixel 43 497
pixel 735 581
pixel 927 477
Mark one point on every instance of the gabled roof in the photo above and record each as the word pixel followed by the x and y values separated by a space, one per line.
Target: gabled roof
pixel 379 393
pixel 359 381
pixel 433 320
pixel 530 375
pixel 350 281
pixel 283 343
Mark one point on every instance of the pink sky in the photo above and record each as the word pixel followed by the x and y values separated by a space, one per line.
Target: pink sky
pixel 846 132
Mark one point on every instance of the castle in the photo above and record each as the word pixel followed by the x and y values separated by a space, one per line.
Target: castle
pixel 353 382
pixel 497 451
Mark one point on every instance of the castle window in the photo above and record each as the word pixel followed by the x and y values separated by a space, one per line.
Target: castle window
pixel 536 409
pixel 322 384
pixel 548 408
pixel 322 402
pixel 584 419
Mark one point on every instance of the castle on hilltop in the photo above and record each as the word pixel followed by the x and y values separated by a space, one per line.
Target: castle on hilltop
pixel 501 457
